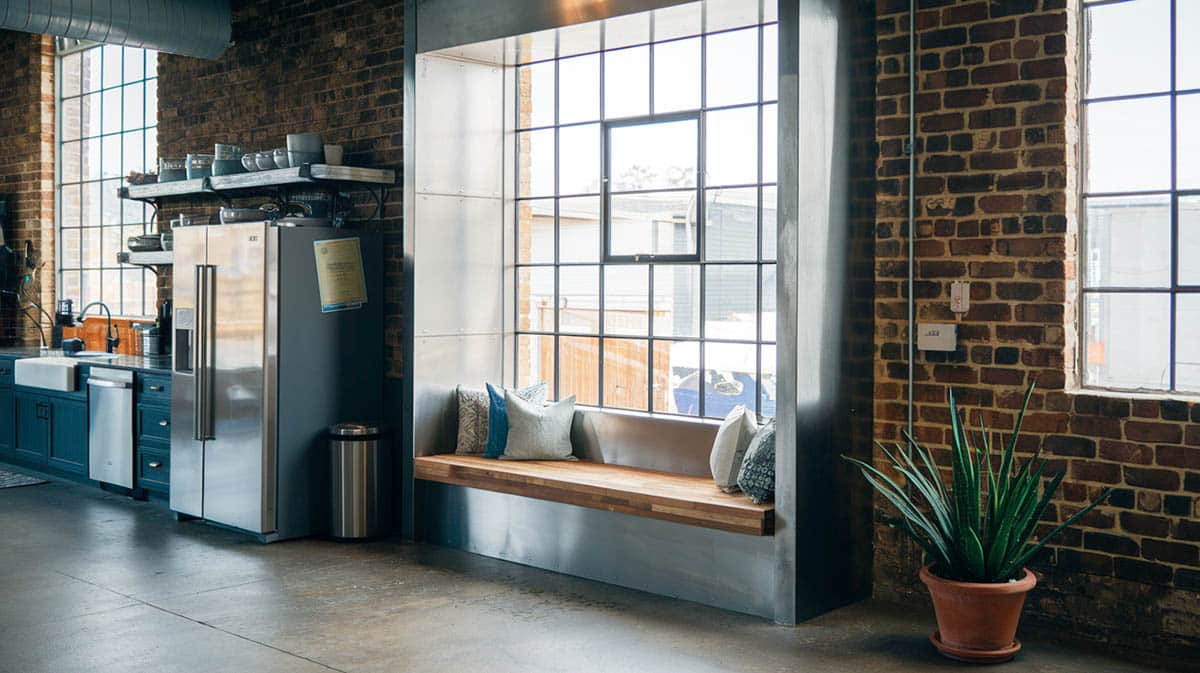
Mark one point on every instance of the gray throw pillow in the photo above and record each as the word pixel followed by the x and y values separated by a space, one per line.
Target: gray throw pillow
pixel 729 447
pixel 757 476
pixel 537 432
pixel 472 421
pixel 473 416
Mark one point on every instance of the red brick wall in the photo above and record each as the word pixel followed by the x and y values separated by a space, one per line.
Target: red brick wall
pixel 995 168
pixel 332 67
pixel 27 168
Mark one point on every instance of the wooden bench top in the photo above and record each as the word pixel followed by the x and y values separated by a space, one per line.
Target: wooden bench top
pixel 616 488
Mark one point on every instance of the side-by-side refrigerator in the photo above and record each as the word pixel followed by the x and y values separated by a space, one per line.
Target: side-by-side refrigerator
pixel 263 363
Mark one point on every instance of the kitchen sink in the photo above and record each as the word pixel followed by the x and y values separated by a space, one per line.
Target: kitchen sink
pixel 51 373
pixel 95 355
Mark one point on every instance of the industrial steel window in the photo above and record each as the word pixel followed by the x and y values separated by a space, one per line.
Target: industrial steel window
pixel 107 118
pixel 1140 234
pixel 645 180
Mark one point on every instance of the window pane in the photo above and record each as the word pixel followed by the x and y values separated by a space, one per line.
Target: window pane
pixel 111 207
pixel 111 243
pixel 72 205
pixel 536 150
pixel 732 147
pixel 662 155
pixel 91 204
pixel 676 377
pixel 535 359
pixel 151 117
pixel 536 84
pixel 627 30
pixel 91 159
pixel 70 72
pixel 71 256
pixel 1187 346
pixel 135 68
pixel 1128 242
pixel 659 223
pixel 71 161
pixel 132 153
pixel 677 21
pixel 730 301
pixel 90 73
pixel 626 295
pixel 626 363
pixel 677 75
pixel 770 62
pixel 731 74
pixel 770 143
pixel 730 377
pixel 152 149
pixel 1189 240
pixel 110 149
pixel 677 300
pixel 627 82
pixel 71 122
pixel 91 249
pixel 770 232
pixel 134 114
pixel 1127 340
pixel 579 369
pixel 113 67
pixel 1129 48
pixel 1187 49
pixel 767 390
pixel 579 299
pixel 132 291
pixel 110 121
pixel 769 307
pixel 579 229
pixel 535 296
pixel 579 159
pixel 580 38
pixel 70 285
pixel 132 212
pixel 726 14
pixel 535 231
pixel 731 224
pixel 1187 148
pixel 90 115
pixel 1125 134
pixel 579 89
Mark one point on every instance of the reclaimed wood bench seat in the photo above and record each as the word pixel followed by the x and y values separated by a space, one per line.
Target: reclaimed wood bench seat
pixel 629 490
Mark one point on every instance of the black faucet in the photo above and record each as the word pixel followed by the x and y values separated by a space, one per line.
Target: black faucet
pixel 111 339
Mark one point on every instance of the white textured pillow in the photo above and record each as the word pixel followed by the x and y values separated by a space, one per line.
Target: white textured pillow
pixel 537 432
pixel 472 421
pixel 729 447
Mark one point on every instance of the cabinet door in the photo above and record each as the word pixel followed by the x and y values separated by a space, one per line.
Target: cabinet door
pixel 33 418
pixel 8 423
pixel 68 436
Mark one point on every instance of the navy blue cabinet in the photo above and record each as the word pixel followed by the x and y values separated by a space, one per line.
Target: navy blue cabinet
pixel 8 423
pixel 69 436
pixel 32 428
pixel 153 431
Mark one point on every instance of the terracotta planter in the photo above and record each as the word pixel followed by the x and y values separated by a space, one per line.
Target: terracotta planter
pixel 977 622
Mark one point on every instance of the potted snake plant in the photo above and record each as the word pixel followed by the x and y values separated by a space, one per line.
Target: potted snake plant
pixel 976 532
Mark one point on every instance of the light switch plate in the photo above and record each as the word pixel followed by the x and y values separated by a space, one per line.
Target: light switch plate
pixel 960 296
pixel 932 336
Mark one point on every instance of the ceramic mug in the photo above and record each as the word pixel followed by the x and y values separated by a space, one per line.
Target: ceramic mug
pixel 334 155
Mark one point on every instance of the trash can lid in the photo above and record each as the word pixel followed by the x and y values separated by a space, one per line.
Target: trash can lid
pixel 354 429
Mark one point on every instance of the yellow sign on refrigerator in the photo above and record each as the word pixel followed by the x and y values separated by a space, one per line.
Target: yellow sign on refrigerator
pixel 340 274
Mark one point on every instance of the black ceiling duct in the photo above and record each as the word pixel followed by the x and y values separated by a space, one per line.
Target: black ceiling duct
pixel 187 27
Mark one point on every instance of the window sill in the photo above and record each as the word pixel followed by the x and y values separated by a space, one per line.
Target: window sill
pixel 1136 394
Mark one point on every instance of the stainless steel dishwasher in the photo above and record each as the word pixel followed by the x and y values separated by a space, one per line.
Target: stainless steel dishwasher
pixel 110 426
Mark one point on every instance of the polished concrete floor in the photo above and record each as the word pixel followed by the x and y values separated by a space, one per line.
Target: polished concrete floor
pixel 95 582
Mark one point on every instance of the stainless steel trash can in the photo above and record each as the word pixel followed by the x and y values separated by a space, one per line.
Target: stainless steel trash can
pixel 362 470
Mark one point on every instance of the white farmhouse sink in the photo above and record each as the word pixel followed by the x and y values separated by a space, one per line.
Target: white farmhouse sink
pixel 50 373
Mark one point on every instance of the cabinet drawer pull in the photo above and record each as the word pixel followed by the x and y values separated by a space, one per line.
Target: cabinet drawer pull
pixel 155 389
pixel 164 422
pixel 154 464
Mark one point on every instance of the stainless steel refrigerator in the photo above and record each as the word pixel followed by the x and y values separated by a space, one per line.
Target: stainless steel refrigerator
pixel 261 367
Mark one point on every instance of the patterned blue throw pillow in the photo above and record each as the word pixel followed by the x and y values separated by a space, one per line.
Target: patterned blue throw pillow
pixel 757 475
pixel 497 434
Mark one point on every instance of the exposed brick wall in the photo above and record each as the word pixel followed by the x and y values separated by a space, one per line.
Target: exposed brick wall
pixel 27 168
pixel 995 151
pixel 332 67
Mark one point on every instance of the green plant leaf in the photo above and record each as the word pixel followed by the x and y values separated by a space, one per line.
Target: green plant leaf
pixel 1023 558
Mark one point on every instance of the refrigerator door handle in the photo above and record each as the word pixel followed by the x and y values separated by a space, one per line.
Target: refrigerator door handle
pixel 209 346
pixel 198 357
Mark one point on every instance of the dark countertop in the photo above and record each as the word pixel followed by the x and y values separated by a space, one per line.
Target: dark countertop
pixel 137 362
